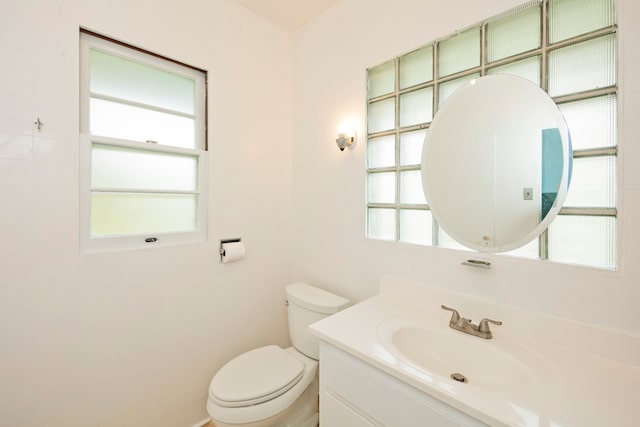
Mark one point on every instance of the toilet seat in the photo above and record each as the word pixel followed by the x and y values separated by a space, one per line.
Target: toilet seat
pixel 256 377
pixel 223 415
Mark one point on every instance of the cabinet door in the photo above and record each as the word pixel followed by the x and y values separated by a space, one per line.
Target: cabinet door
pixel 334 413
pixel 385 400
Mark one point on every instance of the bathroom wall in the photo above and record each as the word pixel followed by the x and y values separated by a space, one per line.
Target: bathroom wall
pixel 133 338
pixel 331 55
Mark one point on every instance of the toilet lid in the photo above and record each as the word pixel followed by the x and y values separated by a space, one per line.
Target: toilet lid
pixel 255 377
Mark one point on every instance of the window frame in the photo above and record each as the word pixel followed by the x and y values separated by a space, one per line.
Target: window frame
pixel 90 243
pixel 485 66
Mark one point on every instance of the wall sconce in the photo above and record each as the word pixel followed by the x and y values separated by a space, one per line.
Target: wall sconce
pixel 346 137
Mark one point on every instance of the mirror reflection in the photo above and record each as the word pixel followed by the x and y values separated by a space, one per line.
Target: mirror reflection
pixel 496 163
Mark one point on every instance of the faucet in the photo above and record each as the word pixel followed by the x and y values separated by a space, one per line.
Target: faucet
pixel 458 323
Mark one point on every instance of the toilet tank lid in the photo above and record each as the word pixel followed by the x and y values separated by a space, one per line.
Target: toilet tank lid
pixel 315 299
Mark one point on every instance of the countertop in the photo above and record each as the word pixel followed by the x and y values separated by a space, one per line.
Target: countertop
pixel 582 384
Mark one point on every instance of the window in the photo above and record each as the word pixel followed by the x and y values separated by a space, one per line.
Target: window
pixel 568 48
pixel 143 148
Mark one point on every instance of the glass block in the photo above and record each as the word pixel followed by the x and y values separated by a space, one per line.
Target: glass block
pixel 381 152
pixel 381 115
pixel 130 168
pixel 381 80
pixel 416 107
pixel 416 67
pixel 569 18
pixel 381 187
pixel 514 33
pixel 592 122
pixel 584 240
pixel 459 52
pixel 411 188
pixel 448 88
pixel 381 223
pixel 139 124
pixel 530 250
pixel 446 241
pixel 583 66
pixel 593 182
pixel 127 213
pixel 121 78
pixel 411 147
pixel 526 68
pixel 415 226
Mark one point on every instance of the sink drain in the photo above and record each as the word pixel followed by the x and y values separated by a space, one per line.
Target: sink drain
pixel 459 377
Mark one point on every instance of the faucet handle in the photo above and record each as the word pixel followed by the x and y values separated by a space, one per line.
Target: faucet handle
pixel 455 316
pixel 483 326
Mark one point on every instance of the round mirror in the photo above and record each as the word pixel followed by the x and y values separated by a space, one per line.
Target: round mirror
pixel 496 163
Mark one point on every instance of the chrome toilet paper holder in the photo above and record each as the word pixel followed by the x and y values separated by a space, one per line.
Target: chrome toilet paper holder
pixel 223 241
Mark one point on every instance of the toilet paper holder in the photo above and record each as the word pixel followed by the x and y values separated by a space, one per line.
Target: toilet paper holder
pixel 223 241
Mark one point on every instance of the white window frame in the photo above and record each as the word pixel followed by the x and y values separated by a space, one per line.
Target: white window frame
pixel 89 243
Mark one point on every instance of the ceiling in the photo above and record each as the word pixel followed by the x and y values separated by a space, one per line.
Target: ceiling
pixel 288 14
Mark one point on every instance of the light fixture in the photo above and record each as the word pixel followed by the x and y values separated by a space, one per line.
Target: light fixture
pixel 346 137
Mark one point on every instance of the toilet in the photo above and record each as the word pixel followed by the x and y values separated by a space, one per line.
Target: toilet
pixel 271 386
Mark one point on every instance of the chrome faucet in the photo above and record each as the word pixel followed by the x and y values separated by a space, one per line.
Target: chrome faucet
pixel 458 323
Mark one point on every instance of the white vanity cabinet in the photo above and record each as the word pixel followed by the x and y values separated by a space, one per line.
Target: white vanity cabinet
pixel 355 394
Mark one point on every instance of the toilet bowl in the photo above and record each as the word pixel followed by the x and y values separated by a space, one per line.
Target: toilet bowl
pixel 271 386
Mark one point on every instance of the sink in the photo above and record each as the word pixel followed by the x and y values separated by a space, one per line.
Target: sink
pixel 498 364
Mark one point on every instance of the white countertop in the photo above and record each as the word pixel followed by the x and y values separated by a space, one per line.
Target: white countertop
pixel 591 376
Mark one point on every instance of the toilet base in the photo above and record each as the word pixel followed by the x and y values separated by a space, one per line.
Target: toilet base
pixel 302 413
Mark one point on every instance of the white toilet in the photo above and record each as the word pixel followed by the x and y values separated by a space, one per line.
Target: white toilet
pixel 271 386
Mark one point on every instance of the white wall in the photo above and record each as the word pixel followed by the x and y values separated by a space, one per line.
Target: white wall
pixel 133 339
pixel 330 58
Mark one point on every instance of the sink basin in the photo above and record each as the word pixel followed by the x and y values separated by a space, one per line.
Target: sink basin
pixel 498 364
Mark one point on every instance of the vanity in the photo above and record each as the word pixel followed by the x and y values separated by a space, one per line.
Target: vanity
pixel 393 360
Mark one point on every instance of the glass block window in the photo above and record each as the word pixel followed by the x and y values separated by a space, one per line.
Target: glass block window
pixel 142 131
pixel 583 66
pixel 459 52
pixel 416 67
pixel 528 68
pixel 592 121
pixel 381 115
pixel 381 223
pixel 571 18
pixel 381 152
pixel 569 49
pixel 416 107
pixel 381 80
pixel 584 239
pixel 411 147
pixel 513 33
pixel 381 187
pixel 449 87
pixel 415 226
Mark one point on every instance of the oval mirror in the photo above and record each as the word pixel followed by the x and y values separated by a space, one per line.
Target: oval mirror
pixel 496 163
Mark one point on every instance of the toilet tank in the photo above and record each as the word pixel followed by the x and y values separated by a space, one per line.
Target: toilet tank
pixel 306 305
